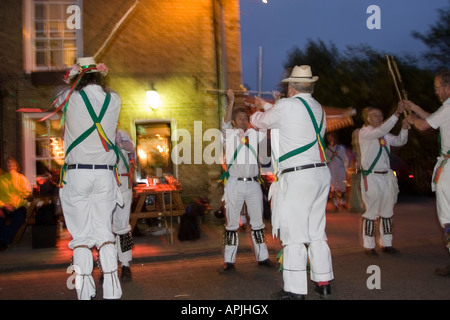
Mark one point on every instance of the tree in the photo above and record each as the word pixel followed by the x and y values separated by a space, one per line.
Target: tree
pixel 438 41
pixel 360 77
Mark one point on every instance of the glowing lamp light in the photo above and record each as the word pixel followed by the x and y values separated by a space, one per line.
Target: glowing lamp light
pixel 153 99
pixel 264 1
pixel 141 154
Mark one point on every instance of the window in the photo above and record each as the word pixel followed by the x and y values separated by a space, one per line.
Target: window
pixel 43 146
pixel 52 40
pixel 49 147
pixel 153 149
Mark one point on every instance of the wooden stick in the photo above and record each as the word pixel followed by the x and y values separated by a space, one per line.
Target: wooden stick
pixel 395 81
pixel 405 95
pixel 238 92
pixel 113 32
pixel 393 77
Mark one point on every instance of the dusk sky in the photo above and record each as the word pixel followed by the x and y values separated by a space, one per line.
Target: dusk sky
pixel 280 25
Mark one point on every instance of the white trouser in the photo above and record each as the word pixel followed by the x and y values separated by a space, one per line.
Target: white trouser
pixel 83 264
pixel 121 220
pixel 443 194
pixel 235 194
pixel 301 198
pixel 379 199
pixel 88 200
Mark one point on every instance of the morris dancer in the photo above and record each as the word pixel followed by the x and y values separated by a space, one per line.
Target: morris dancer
pixel 242 184
pixel 89 190
pixel 379 187
pixel 440 119
pixel 299 196
pixel 338 163
pixel 121 216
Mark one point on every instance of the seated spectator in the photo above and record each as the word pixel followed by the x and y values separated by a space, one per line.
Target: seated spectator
pixel 14 189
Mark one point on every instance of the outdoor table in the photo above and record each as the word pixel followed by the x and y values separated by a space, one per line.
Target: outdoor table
pixel 159 208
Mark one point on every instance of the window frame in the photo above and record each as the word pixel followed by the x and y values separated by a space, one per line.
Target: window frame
pixel 172 125
pixel 29 38
pixel 29 142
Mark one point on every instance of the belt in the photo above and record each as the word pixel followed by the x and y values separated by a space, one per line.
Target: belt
pixel 381 172
pixel 306 166
pixel 248 179
pixel 89 166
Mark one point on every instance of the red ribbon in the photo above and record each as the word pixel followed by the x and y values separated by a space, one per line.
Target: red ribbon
pixel 68 96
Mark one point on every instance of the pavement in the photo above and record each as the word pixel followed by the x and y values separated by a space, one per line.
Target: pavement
pixel 417 235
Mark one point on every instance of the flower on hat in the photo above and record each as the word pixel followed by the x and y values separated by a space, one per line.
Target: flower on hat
pixel 71 73
pixel 102 68
pixel 77 69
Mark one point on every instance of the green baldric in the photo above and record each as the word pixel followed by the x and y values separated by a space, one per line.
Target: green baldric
pixel 309 145
pixel 319 139
pixel 365 173
pixel 224 177
pixel 106 142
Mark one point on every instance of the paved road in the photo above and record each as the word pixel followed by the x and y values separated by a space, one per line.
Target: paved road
pixel 189 274
pixel 408 276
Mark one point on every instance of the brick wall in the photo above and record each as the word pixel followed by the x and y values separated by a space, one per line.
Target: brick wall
pixel 180 47
pixel 11 79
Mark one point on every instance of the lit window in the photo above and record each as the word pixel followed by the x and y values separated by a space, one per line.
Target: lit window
pixel 153 149
pixel 43 146
pixel 49 147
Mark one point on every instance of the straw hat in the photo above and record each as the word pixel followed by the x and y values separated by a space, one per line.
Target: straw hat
pixel 89 65
pixel 301 74
pixel 87 62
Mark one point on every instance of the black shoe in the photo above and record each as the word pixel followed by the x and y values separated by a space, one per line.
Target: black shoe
pixel 266 263
pixel 284 295
pixel 137 232
pixel 390 250
pixel 126 273
pixel 323 291
pixel 228 267
pixel 371 252
pixel 443 272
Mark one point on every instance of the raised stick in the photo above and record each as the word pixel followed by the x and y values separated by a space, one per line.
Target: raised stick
pixel 238 92
pixel 395 81
pixel 405 95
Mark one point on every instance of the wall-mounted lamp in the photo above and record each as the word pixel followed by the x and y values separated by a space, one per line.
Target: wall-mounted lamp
pixel 153 99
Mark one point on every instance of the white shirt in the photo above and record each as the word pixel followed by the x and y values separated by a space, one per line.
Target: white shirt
pixel 78 120
pixel 370 146
pixel 294 128
pixel 441 119
pixel 337 156
pixel 245 165
pixel 121 137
